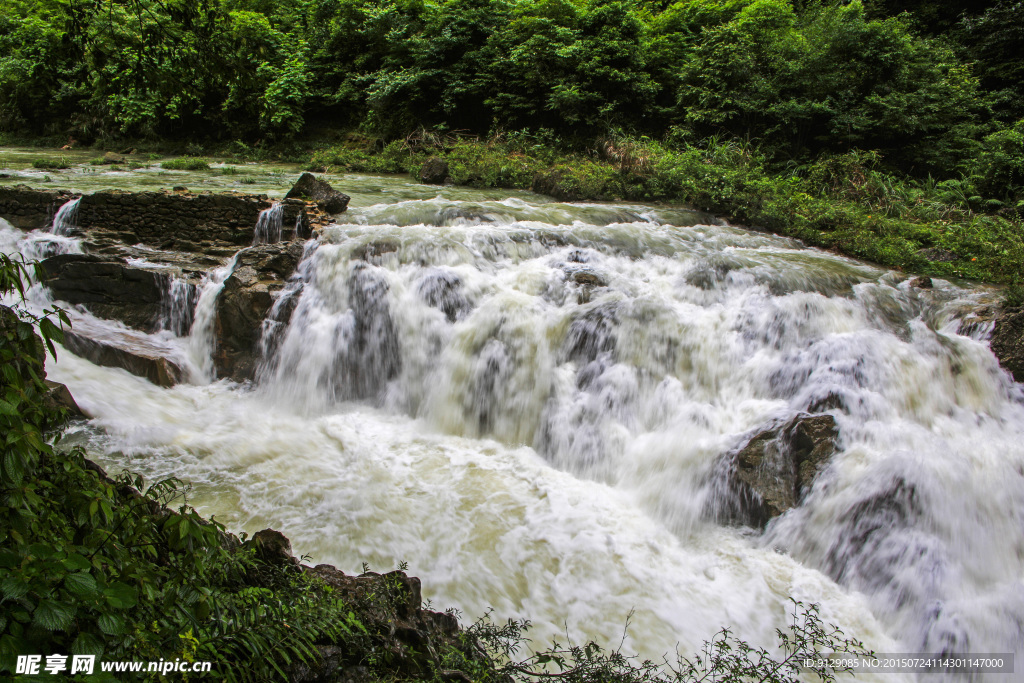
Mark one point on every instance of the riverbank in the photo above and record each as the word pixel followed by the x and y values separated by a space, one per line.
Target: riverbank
pixel 844 203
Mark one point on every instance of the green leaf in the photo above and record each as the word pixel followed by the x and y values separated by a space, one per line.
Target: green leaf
pixel 111 624
pixel 53 616
pixel 76 562
pixel 87 644
pixel 81 584
pixel 121 596
pixel 13 588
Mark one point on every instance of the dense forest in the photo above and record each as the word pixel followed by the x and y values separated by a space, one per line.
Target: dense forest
pixel 868 127
pixel 928 86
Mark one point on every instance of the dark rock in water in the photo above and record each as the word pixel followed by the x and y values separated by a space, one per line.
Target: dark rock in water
pixel 591 334
pixel 1007 341
pixel 58 397
pixel 869 524
pixel 443 290
pixel 773 470
pixel 245 302
pixel 108 288
pixel 150 364
pixel 311 188
pixel 372 252
pixel 434 171
pixel 922 282
pixel 372 354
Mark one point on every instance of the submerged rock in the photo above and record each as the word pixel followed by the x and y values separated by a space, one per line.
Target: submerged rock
pixel 773 470
pixel 108 287
pixel 1007 341
pixel 315 189
pixel 245 301
pixel 150 364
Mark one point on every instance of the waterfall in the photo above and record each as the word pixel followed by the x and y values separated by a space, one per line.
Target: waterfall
pixel 268 225
pixel 178 306
pixel 201 341
pixel 66 218
pixel 536 404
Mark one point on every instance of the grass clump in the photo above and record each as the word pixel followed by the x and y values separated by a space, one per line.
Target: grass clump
pixel 51 164
pixel 186 164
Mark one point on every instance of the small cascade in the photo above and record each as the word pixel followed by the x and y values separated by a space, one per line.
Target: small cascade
pixel 201 343
pixel 178 307
pixel 268 225
pixel 66 218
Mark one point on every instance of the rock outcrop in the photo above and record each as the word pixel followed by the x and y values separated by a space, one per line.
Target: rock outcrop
pixel 108 287
pixel 434 171
pixel 133 356
pixel 29 209
pixel 245 301
pixel 773 470
pixel 181 220
pixel 1007 341
pixel 309 187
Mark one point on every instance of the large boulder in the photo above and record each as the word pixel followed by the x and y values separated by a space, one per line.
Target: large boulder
pixel 245 301
pixel 773 470
pixel 1007 341
pixel 311 188
pixel 434 171
pixel 108 287
pixel 133 355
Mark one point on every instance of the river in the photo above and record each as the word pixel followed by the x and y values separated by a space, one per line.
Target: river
pixel 526 401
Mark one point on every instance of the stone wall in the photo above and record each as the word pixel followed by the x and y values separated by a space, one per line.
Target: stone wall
pixel 168 220
pixel 30 209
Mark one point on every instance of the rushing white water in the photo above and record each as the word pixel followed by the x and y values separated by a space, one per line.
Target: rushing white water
pixel 177 309
pixel 268 225
pixel 66 218
pixel 201 341
pixel 526 401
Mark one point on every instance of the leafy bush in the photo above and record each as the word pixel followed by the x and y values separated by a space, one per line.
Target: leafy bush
pixel 186 164
pixel 51 164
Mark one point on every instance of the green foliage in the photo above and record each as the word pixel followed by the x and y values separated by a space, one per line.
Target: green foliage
pixel 723 658
pixel 186 164
pixel 51 164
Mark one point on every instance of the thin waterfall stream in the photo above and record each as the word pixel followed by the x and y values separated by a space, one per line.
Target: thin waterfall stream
pixel 530 402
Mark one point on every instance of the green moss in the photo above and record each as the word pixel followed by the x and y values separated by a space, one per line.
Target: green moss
pixel 186 164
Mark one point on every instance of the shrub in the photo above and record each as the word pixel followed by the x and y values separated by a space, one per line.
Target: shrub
pixel 51 164
pixel 186 164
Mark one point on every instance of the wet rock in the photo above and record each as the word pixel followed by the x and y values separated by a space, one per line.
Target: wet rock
pixel 311 188
pixel 773 470
pixel 868 524
pixel 443 290
pixel 58 397
pixel 272 547
pixel 244 303
pixel 372 355
pixel 591 334
pixel 150 364
pixel 922 282
pixel 113 158
pixel 29 209
pixel 108 288
pixel 588 278
pixel 434 171
pixel 1007 341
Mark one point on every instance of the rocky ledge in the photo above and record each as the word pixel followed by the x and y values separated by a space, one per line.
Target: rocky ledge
pixel 146 256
